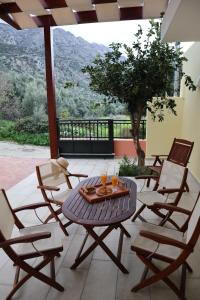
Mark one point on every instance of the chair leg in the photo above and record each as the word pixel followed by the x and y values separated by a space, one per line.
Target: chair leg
pixel 187 187
pixel 158 275
pixel 148 182
pixel 55 216
pixel 52 215
pixel 138 212
pixel 63 228
pixel 124 230
pixel 156 186
pixel 166 218
pixel 189 268
pixel 35 272
pixel 16 275
pixel 52 269
pixel 68 223
pixel 144 274
pixel 183 281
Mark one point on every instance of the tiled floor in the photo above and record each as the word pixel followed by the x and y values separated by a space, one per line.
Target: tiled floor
pixel 97 278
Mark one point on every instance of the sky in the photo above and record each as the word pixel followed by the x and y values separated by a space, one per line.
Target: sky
pixel 108 32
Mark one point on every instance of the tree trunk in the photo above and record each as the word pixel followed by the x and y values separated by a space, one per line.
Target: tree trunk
pixel 135 133
pixel 140 152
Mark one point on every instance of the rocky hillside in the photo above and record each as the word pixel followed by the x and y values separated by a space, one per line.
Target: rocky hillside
pixel 22 76
pixel 23 51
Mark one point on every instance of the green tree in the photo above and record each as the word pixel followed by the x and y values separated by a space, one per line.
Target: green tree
pixel 34 99
pixel 135 75
pixel 9 101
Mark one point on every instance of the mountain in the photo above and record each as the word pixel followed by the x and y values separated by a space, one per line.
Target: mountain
pixel 23 51
pixel 22 75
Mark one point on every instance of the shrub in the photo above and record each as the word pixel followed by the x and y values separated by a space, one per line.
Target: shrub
pixel 32 139
pixel 6 128
pixel 8 132
pixel 129 168
pixel 31 125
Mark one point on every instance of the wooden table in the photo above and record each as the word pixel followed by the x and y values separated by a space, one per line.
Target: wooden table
pixel 110 213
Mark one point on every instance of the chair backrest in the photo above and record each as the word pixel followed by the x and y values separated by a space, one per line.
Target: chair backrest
pixel 51 175
pixel 180 152
pixel 172 175
pixel 7 220
pixel 194 223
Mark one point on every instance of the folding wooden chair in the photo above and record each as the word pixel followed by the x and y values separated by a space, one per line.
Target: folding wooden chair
pixel 55 185
pixel 32 242
pixel 179 154
pixel 169 189
pixel 179 215
pixel 169 246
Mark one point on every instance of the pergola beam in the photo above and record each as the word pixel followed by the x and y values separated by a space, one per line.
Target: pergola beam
pixel 6 18
pixel 51 97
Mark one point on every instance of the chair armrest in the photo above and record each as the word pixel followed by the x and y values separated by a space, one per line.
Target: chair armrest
pixel 171 208
pixel 31 206
pixel 168 191
pixel 158 158
pixel 26 239
pixel 48 188
pixel 77 175
pixel 162 239
pixel 155 177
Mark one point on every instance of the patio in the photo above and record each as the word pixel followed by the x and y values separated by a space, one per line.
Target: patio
pixel 97 277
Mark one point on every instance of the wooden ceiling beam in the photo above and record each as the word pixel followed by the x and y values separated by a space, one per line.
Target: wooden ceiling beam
pixel 103 1
pixel 89 16
pixel 9 8
pixel 45 20
pixel 6 18
pixel 49 4
pixel 131 13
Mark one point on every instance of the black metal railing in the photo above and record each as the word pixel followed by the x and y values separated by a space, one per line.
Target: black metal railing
pixel 122 129
pixel 98 129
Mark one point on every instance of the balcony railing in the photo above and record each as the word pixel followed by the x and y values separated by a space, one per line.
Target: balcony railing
pixel 98 129
pixel 121 129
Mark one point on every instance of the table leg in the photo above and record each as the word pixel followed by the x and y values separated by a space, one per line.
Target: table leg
pixel 108 251
pixel 80 257
pixel 124 230
pixel 99 241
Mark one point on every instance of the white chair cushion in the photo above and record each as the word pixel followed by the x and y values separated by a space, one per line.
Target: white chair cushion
pixel 54 242
pixel 186 202
pixel 150 197
pixel 152 246
pixel 171 175
pixel 60 196
pixel 51 175
pixel 6 218
pixel 193 220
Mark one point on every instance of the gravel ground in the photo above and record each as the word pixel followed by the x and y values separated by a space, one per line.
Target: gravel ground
pixel 10 149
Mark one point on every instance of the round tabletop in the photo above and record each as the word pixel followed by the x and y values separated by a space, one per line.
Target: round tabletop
pixel 107 212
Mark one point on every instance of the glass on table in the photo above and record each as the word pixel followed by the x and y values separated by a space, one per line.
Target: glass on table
pixel 103 178
pixel 114 181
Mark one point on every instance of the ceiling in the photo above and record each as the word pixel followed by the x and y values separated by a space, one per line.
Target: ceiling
pixel 182 21
pixel 23 14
